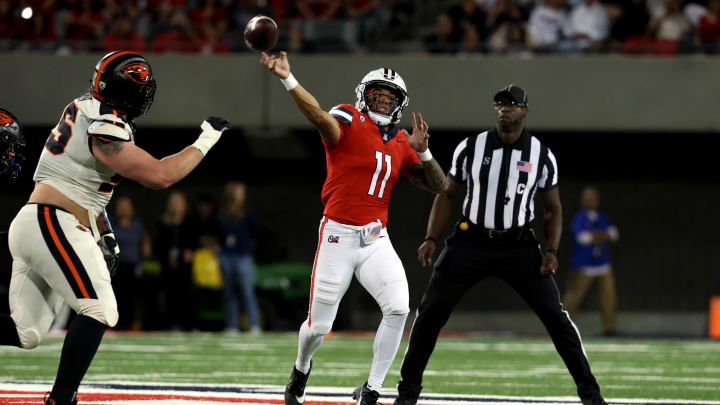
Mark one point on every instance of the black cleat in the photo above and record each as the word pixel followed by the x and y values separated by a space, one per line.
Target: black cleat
pixel 408 393
pixel 48 400
pixel 594 400
pixel 365 396
pixel 295 390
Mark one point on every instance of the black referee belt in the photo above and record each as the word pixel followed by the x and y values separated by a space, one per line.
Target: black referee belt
pixel 467 227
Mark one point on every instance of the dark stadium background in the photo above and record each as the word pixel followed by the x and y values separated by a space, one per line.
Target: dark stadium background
pixel 661 189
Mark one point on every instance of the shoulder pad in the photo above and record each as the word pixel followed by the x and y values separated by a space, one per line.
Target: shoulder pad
pixel 116 131
pixel 344 113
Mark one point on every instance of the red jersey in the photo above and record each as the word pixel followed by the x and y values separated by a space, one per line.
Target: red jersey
pixel 363 166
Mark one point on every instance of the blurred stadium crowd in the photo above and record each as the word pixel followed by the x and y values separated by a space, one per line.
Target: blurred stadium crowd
pixel 506 27
pixel 169 275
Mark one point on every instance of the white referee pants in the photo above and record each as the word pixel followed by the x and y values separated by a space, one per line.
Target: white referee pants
pixel 55 260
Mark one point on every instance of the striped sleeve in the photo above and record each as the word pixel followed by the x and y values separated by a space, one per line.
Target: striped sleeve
pixel 549 176
pixel 342 114
pixel 458 165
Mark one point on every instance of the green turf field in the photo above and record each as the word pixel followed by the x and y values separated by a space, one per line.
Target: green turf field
pixel 625 368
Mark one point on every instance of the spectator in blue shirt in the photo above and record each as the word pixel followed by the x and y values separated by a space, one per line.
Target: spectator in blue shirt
pixel 240 230
pixel 129 233
pixel 592 233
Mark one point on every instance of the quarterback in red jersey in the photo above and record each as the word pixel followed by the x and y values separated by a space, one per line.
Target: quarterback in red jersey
pixel 366 155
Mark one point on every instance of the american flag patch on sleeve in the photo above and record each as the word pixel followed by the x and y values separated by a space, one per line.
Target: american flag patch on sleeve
pixel 524 166
pixel 342 114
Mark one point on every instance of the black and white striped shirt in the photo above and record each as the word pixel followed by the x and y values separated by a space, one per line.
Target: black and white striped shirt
pixel 502 179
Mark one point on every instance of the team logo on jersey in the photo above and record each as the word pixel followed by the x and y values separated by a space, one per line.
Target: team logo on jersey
pixel 362 119
pixel 5 120
pixel 137 72
pixel 333 239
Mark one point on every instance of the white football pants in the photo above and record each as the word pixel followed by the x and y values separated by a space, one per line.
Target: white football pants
pixel 341 253
pixel 55 260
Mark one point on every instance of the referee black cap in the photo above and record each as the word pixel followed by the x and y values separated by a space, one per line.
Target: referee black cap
pixel 516 93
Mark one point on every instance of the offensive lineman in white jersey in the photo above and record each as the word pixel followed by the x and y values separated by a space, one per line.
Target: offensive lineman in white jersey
pixel 59 239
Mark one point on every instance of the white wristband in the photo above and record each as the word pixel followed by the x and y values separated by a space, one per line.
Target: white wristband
pixel 290 82
pixel 207 138
pixel 425 156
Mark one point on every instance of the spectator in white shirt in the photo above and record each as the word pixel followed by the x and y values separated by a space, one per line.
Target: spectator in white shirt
pixel 672 24
pixel 546 24
pixel 587 27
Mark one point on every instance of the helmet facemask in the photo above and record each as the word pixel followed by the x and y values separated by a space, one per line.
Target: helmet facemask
pixel 381 106
pixel 11 160
pixel 11 140
pixel 368 97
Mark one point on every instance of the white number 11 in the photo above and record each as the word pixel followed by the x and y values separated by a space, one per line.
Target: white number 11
pixel 388 169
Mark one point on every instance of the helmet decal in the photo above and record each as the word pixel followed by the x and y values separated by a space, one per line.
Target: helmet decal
pixel 124 81
pixel 102 64
pixel 5 119
pixel 137 72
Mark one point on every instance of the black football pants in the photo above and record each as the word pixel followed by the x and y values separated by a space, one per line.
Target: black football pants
pixel 466 261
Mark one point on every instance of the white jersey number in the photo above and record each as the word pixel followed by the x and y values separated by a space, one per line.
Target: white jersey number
pixel 388 169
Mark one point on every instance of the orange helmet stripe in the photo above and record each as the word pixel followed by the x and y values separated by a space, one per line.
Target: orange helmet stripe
pixel 104 64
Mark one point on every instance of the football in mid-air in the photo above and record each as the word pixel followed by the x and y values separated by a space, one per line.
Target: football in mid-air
pixel 261 33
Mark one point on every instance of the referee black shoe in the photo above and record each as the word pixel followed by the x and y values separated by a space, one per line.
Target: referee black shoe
pixel 295 390
pixel 594 400
pixel 365 396
pixel 408 393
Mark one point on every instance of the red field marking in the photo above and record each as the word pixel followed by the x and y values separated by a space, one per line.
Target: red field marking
pixel 36 397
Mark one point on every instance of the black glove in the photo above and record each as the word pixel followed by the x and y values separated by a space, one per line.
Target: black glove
pixel 111 252
pixel 218 123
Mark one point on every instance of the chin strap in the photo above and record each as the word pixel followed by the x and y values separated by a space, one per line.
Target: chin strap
pixel 380 119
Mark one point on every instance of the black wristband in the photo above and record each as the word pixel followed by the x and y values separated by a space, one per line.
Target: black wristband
pixel 556 252
pixel 430 238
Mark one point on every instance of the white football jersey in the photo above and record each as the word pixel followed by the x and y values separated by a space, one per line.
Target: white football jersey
pixel 67 162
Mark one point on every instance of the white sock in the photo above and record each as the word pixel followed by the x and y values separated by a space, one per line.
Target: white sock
pixel 385 347
pixel 307 345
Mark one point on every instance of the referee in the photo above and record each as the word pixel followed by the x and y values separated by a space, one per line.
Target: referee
pixel 502 169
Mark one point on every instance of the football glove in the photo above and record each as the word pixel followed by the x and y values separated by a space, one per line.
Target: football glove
pixel 111 252
pixel 212 128
pixel 219 123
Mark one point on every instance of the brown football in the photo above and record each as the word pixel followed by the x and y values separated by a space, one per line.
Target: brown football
pixel 261 33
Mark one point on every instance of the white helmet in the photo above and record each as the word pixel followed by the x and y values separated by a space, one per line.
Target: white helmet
pixel 383 77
